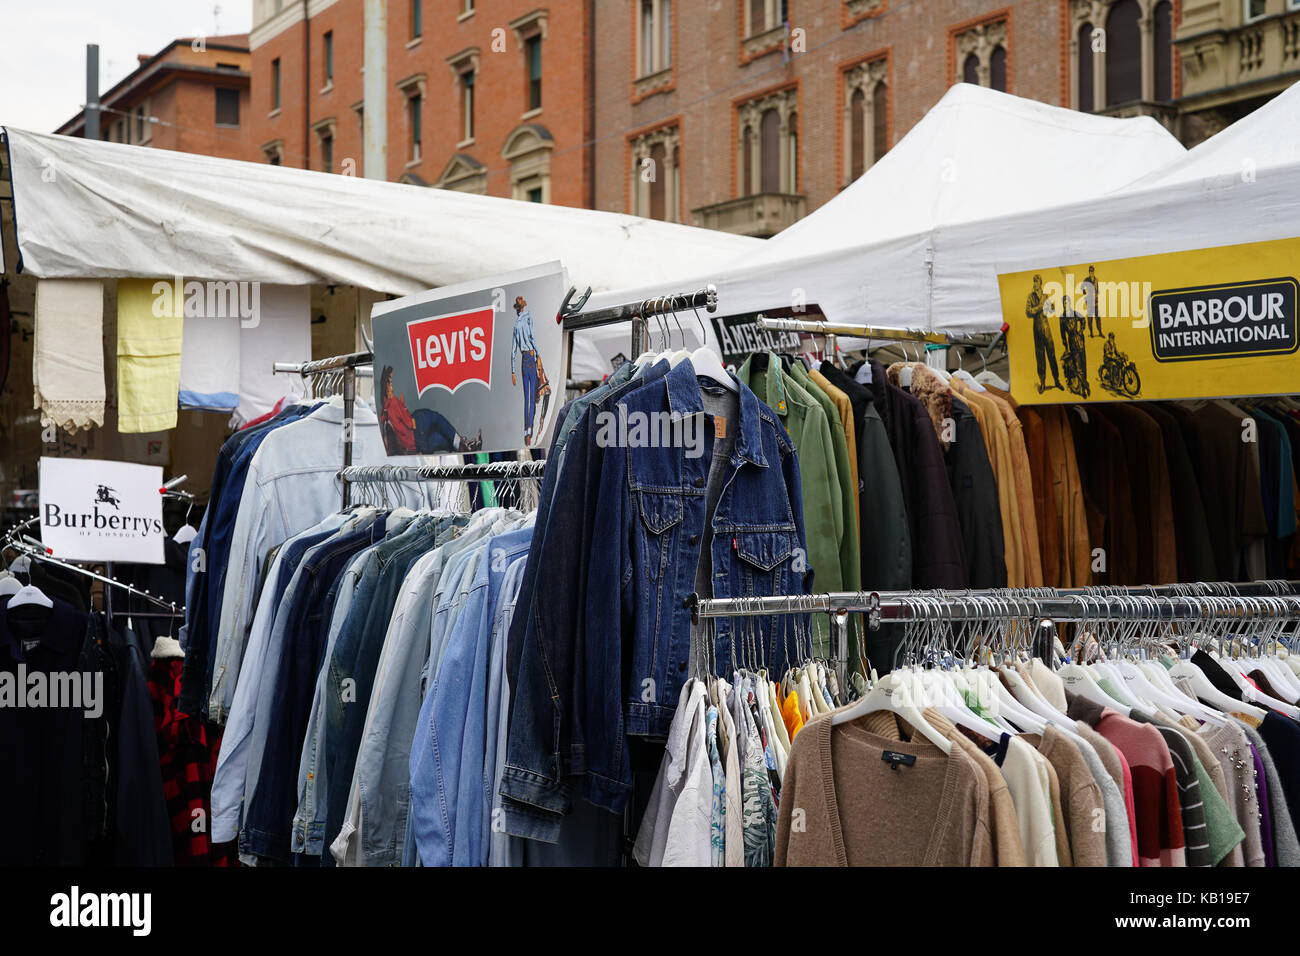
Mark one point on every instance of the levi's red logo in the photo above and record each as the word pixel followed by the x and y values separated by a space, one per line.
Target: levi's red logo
pixel 448 351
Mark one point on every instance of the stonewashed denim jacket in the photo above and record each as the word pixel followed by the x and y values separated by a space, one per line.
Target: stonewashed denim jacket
pixel 582 687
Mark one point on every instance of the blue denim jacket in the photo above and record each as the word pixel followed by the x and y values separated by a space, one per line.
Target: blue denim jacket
pixel 582 687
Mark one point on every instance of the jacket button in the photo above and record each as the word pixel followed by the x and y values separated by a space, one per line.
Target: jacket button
pixel 699 482
pixel 695 539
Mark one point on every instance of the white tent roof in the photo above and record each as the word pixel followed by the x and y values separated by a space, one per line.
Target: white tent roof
pixel 85 209
pixel 979 154
pixel 878 252
pixel 1265 139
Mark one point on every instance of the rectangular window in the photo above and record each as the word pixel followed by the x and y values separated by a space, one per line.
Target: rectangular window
pixel 1255 9
pixel 535 194
pixel 417 24
pixel 533 50
pixel 139 121
pixel 275 83
pixel 467 104
pixel 666 51
pixel 329 57
pixel 227 107
pixel 467 6
pixel 413 107
pixel 327 153
pixel 647 37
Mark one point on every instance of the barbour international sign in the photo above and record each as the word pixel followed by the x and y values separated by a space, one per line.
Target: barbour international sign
pixel 1195 324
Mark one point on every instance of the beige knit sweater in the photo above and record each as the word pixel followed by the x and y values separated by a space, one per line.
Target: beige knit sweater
pixel 1080 798
pixel 843 805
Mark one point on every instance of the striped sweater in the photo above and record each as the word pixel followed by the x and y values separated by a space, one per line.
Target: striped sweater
pixel 1157 808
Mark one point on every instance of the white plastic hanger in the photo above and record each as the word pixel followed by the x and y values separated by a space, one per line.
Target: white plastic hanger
pixel 9 585
pixel 32 595
pixel 1159 676
pixel 889 694
pixel 709 365
pixel 1206 691
pixel 989 378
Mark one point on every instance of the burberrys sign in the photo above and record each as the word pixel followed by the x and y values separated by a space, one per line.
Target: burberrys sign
pixel 101 510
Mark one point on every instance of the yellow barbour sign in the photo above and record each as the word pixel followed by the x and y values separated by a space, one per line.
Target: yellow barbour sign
pixel 1197 324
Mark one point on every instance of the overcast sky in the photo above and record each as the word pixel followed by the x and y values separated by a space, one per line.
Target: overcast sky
pixel 43 47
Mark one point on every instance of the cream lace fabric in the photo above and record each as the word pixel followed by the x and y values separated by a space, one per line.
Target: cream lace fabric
pixel 68 365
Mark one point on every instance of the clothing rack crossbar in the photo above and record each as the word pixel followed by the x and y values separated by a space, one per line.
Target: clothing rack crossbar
pixel 486 471
pixel 820 327
pixel 1181 602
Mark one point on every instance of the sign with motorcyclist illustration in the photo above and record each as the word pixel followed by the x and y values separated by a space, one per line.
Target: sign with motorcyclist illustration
pixel 1195 324
pixel 469 368
pixel 101 510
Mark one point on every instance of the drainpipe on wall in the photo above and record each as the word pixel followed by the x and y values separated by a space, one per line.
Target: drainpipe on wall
pixel 306 86
pixel 589 117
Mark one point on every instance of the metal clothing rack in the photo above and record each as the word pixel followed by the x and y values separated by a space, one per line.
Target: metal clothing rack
pixel 639 312
pixel 15 539
pixel 347 365
pixel 1111 602
pixel 1173 603
pixel 977 340
pixel 494 471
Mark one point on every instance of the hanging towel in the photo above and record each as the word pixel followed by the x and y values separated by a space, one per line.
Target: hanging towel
pixel 210 364
pixel 280 331
pixel 68 353
pixel 149 330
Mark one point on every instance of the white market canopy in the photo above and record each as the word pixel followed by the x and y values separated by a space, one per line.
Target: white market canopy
pixel 90 209
pixel 918 239
pixel 1265 140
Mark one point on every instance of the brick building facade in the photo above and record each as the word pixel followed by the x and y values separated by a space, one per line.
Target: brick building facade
pixel 745 115
pixel 484 96
pixel 741 115
pixel 191 96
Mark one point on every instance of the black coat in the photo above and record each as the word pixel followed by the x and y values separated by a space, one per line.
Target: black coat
pixel 938 551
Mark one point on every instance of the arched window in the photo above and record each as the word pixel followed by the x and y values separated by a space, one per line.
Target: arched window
pixel 770 151
pixel 658 185
pixel 793 142
pixel 998 69
pixel 675 193
pixel 880 121
pixel 1085 68
pixel 1123 53
pixel 857 134
pixel 747 163
pixel 1163 37
pixel 970 70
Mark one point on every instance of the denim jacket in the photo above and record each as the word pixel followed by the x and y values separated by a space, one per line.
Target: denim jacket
pixel 578 699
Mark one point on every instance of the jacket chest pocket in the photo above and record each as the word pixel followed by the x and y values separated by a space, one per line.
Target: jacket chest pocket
pixel 763 562
pixel 660 517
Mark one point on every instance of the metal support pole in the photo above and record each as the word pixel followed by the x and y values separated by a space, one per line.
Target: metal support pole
pixel 374 118
pixel 349 404
pixel 91 130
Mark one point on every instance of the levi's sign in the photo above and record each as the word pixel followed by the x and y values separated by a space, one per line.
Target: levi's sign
pixel 474 367
pixel 448 351
pixel 1245 318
